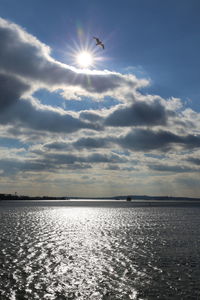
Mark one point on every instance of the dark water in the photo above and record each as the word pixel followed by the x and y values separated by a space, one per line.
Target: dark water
pixel 60 252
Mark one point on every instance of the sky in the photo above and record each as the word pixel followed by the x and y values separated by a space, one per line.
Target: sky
pixel 127 123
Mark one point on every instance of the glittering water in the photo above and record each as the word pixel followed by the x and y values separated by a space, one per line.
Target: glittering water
pixel 60 252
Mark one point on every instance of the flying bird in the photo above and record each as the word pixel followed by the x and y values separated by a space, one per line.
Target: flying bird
pixel 98 42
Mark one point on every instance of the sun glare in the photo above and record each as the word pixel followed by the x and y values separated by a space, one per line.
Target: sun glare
pixel 85 55
pixel 84 59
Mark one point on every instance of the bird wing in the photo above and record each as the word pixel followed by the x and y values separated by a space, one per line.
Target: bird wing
pixel 102 45
pixel 96 39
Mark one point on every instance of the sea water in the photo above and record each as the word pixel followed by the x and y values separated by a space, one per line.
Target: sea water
pixel 99 252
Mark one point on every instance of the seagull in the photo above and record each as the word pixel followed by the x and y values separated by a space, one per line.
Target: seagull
pixel 98 42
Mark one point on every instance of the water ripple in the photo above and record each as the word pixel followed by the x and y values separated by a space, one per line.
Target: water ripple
pixel 99 253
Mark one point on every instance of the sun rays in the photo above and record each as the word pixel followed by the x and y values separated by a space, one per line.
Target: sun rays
pixel 84 54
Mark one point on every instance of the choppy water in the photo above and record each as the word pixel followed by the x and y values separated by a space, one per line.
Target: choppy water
pixel 99 252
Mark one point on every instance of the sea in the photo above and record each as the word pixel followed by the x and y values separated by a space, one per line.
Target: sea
pixel 96 250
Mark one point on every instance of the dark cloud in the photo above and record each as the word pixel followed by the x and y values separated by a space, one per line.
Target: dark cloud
pixel 13 166
pixel 89 142
pixel 51 162
pixel 42 118
pixel 85 142
pixel 113 167
pixel 65 158
pixel 139 113
pixel 195 161
pixel 147 140
pixel 11 89
pixel 191 141
pixel 104 158
pixel 172 168
pixel 29 113
pixel 77 166
pixel 143 140
pixel 61 158
pixel 90 116
pixel 59 146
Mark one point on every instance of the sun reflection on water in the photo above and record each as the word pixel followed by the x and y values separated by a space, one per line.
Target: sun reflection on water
pixel 89 253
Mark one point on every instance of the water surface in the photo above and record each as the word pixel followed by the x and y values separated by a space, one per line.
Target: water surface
pixel 88 252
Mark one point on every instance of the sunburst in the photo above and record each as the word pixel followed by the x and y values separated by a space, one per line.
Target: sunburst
pixel 85 59
pixel 85 54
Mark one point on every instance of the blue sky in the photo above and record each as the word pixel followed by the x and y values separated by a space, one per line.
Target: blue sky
pixel 155 42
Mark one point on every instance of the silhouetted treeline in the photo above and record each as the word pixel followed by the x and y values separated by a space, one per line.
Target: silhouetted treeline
pixel 20 197
pixel 145 197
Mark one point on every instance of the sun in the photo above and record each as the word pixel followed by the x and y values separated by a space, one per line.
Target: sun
pixel 84 59
pixel 85 56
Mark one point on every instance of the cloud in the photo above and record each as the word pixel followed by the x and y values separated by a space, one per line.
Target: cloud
pixel 25 56
pixel 138 114
pixel 66 158
pixel 40 117
pixel 30 113
pixel 12 167
pixel 147 140
pixel 113 167
pixel 194 160
pixel 55 162
pixel 138 139
pixel 58 146
pixel 89 142
pixel 91 116
pixel 172 168
pixel 11 89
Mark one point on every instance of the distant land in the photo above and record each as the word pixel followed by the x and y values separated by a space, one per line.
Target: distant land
pixel 123 197
pixel 23 197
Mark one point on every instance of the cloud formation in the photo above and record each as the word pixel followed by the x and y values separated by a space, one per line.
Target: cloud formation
pixel 30 113
pixel 23 55
pixel 147 140
pixel 173 168
pixel 116 140
pixel 138 114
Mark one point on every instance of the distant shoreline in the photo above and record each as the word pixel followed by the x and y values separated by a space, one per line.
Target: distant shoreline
pixel 132 198
pixel 100 203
